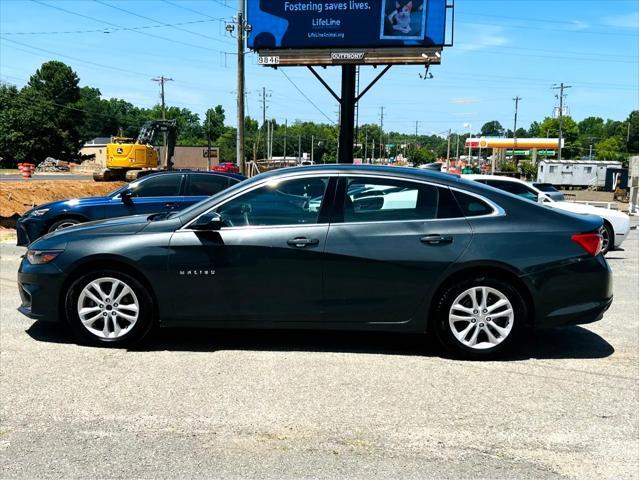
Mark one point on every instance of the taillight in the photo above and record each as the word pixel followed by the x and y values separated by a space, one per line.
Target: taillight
pixel 590 242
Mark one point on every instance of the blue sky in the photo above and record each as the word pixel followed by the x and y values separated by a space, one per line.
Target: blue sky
pixel 503 48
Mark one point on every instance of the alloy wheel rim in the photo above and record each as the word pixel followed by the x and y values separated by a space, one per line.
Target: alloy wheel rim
pixel 108 308
pixel 481 318
pixel 605 239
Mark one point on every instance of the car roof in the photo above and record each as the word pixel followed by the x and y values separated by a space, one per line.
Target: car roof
pixel 400 172
pixel 493 177
pixel 195 172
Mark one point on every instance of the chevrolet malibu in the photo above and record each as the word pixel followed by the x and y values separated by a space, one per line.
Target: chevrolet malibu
pixel 340 248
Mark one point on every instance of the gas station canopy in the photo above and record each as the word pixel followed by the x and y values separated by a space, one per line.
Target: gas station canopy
pixel 512 143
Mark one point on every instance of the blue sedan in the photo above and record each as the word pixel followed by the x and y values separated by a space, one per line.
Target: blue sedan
pixel 155 193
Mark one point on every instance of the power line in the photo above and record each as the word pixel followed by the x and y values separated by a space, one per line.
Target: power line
pixel 39 2
pixel 539 20
pixel 109 29
pixel 157 21
pixel 532 27
pixel 191 9
pixel 306 97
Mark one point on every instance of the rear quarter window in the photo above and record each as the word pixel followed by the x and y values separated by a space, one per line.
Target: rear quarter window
pixel 472 206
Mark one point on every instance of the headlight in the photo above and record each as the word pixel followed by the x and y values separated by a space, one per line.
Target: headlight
pixel 40 257
pixel 39 212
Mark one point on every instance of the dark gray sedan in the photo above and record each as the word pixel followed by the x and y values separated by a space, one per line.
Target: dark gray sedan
pixel 328 247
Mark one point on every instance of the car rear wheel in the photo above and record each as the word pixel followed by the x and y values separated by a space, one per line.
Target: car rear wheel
pixel 608 236
pixel 109 308
pixel 64 223
pixel 480 318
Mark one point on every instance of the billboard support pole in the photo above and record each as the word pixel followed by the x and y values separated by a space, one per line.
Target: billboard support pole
pixel 347 115
pixel 347 103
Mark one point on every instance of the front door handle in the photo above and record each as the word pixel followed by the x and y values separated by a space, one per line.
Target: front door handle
pixel 436 239
pixel 302 242
pixel 169 205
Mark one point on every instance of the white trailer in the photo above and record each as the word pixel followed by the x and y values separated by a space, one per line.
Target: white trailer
pixel 575 173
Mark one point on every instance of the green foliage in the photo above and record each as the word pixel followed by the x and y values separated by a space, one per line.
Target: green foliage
pixel 509 166
pixel 550 128
pixel 422 155
pixel 528 170
pixel 633 132
pixel 53 116
pixel 492 129
pixel 610 149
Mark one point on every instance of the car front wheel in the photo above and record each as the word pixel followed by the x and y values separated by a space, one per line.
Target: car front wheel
pixel 479 318
pixel 64 223
pixel 109 308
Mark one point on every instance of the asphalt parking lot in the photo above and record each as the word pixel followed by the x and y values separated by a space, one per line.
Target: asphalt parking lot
pixel 330 405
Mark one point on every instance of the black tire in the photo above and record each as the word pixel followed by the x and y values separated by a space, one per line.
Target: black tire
pixel 443 308
pixel 63 223
pixel 609 242
pixel 140 329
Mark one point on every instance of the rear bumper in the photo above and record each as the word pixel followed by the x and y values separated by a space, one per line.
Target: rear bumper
pixel 573 294
pixel 576 315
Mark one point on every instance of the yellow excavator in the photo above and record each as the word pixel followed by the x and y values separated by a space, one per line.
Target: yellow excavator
pixel 129 159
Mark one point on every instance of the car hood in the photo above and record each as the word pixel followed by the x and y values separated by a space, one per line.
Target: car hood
pixel 70 203
pixel 114 226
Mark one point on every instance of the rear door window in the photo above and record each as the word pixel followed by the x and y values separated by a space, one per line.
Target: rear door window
pixel 383 200
pixel 206 185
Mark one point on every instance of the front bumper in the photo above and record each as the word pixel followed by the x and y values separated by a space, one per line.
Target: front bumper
pixel 29 229
pixel 40 288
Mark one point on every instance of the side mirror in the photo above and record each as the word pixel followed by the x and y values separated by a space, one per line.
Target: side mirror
pixel 210 221
pixel 126 197
pixel 543 198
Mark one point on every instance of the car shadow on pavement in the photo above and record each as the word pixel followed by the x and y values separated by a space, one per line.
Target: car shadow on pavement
pixel 562 343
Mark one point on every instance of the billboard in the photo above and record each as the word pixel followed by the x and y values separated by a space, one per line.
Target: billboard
pixel 363 24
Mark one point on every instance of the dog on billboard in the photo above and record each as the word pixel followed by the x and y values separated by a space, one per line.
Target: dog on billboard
pixel 400 18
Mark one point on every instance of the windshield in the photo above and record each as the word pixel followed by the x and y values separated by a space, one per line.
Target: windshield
pixel 545 187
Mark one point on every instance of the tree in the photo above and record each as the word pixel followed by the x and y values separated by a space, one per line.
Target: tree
pixel 610 149
pixel 492 129
pixel 422 155
pixel 550 128
pixel 50 117
pixel 214 123
pixel 633 132
pixel 10 132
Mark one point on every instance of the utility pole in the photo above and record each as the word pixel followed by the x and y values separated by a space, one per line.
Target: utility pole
pixel 312 149
pixel 242 28
pixel 299 149
pixel 448 150
pixel 162 80
pixel 365 145
pixel 561 95
pixel 381 132
pixel 285 136
pixel 516 99
pixel 457 154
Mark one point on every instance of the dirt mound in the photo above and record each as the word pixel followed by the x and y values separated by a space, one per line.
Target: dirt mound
pixel 18 197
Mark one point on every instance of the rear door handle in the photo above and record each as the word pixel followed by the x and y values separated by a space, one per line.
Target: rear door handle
pixel 436 239
pixel 302 242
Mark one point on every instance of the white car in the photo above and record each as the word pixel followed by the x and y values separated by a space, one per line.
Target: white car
pixel 616 224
